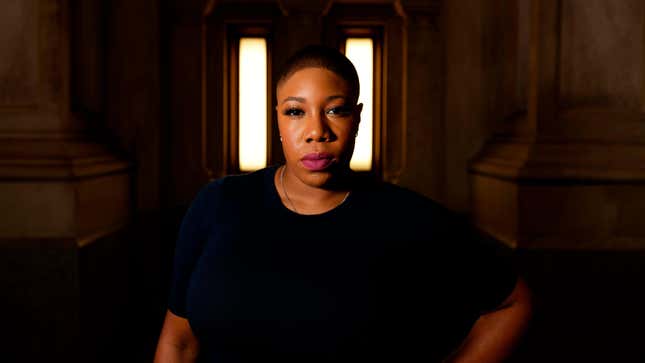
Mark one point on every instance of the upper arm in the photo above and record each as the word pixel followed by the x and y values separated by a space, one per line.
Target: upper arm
pixel 519 298
pixel 497 332
pixel 484 269
pixel 177 343
pixel 191 240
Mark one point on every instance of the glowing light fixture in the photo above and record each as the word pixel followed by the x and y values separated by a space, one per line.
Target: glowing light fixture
pixel 361 52
pixel 252 103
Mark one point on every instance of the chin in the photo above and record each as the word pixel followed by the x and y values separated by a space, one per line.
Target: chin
pixel 323 178
pixel 317 179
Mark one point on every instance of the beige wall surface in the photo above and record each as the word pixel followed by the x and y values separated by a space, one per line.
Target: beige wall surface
pixel 463 95
pixel 134 114
pixel 34 67
pixel 37 210
pixel 18 37
pixel 602 53
pixel 579 143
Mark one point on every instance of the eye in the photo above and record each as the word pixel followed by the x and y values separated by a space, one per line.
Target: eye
pixel 340 111
pixel 293 112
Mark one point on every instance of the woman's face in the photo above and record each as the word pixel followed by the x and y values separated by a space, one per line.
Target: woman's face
pixel 318 121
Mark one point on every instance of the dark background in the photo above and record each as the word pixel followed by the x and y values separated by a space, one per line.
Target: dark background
pixel 524 115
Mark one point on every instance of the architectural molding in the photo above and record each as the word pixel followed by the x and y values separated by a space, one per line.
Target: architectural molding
pixel 555 177
pixel 57 181
pixel 290 7
pixel 415 8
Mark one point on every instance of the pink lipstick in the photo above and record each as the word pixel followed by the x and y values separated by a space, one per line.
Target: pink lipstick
pixel 317 161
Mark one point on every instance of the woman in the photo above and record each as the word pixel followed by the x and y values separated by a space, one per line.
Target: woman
pixel 308 262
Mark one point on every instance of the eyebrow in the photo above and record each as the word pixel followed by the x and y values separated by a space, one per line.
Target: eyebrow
pixel 335 97
pixel 292 98
pixel 302 99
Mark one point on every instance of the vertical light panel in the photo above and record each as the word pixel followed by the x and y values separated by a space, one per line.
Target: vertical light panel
pixel 361 52
pixel 252 103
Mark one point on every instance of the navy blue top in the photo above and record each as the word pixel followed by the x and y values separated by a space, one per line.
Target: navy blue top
pixel 386 275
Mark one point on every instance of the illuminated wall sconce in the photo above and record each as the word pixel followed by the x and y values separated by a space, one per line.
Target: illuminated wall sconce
pixel 252 104
pixel 361 52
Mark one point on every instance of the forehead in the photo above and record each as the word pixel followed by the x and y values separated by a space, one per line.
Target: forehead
pixel 313 80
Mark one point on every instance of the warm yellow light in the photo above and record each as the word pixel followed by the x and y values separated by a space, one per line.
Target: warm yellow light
pixel 361 52
pixel 252 103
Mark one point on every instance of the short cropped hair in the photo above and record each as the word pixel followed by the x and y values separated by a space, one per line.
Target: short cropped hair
pixel 319 56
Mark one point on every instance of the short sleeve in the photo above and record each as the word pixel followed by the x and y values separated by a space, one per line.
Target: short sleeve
pixel 464 270
pixel 193 233
pixel 484 267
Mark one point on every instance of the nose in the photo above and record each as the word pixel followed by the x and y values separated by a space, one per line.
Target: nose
pixel 318 129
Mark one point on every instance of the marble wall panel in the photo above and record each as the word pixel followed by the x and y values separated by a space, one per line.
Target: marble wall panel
pixel 602 53
pixel 463 97
pixel 133 118
pixel 112 193
pixel 19 83
pixel 523 22
pixel 424 155
pixel 37 210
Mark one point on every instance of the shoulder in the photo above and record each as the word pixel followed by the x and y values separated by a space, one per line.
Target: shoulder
pixel 233 190
pixel 403 200
pixel 240 183
pixel 416 216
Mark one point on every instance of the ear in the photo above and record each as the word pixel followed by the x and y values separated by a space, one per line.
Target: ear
pixel 357 111
pixel 357 114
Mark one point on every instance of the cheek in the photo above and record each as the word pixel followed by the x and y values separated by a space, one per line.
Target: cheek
pixel 347 129
pixel 290 131
pixel 289 140
pixel 282 128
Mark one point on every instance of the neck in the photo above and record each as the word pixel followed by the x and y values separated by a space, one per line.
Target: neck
pixel 306 199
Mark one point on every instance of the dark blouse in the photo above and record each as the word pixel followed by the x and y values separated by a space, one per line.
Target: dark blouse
pixel 387 275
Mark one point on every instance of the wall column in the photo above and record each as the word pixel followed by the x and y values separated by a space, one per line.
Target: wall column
pixel 568 172
pixel 421 164
pixel 60 191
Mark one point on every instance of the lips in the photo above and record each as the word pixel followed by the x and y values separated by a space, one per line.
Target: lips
pixel 317 161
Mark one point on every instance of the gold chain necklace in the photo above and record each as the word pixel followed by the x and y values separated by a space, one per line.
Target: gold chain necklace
pixel 284 190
